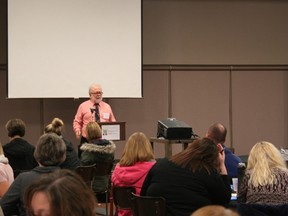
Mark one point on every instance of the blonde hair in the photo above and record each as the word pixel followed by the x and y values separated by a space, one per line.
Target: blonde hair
pixel 214 210
pixel 55 127
pixel 1 149
pixel 137 148
pixel 93 131
pixel 263 158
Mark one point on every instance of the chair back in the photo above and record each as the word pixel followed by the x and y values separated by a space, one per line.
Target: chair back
pixel 87 173
pixel 104 168
pixel 122 197
pixel 147 205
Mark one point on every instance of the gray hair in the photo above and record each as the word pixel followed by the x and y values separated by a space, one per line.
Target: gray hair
pixel 50 150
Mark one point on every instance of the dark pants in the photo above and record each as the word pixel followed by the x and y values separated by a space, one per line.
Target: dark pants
pixel 82 140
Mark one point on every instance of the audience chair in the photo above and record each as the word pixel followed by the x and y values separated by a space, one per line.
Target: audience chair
pixel 122 197
pixel 87 173
pixel 147 205
pixel 105 169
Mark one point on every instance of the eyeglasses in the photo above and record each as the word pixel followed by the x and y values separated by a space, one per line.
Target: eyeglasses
pixel 97 93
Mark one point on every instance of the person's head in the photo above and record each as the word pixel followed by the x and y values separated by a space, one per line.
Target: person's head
pixel 15 127
pixel 214 210
pixel 217 132
pixel 263 157
pixel 95 93
pixel 137 148
pixel 62 192
pixel 200 154
pixel 50 150
pixel 55 127
pixel 93 131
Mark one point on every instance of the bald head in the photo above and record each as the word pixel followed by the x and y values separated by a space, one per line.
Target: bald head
pixel 217 132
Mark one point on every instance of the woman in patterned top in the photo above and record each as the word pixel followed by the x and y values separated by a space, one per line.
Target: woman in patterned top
pixel 266 177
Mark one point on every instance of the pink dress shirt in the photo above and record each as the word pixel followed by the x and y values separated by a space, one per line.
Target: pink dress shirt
pixel 84 115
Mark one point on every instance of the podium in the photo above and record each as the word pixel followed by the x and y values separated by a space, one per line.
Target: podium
pixel 168 144
pixel 114 131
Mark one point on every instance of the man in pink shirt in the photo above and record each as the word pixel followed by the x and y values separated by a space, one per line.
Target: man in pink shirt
pixel 93 109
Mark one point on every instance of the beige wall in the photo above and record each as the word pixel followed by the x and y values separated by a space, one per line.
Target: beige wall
pixel 251 101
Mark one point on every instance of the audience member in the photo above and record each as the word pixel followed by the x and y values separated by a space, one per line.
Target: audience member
pixel 217 132
pixel 6 173
pixel 137 159
pixel 50 152
pixel 214 210
pixel 18 151
pixel 97 150
pixel 191 179
pixel 62 192
pixel 266 176
pixel 93 109
pixel 72 160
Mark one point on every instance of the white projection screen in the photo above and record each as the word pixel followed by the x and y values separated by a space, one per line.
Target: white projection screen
pixel 58 48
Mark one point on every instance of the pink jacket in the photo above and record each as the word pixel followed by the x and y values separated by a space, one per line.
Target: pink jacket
pixel 131 176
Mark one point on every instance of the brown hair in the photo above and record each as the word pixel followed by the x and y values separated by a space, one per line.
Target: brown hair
pixel 55 126
pixel 50 150
pixel 214 210
pixel 93 131
pixel 66 192
pixel 15 127
pixel 137 148
pixel 200 154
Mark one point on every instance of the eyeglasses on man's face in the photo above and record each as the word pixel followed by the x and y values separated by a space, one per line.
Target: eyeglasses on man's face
pixel 97 93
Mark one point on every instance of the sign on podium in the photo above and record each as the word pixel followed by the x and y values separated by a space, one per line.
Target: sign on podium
pixel 113 130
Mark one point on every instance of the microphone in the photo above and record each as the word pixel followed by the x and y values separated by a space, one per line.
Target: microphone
pixel 92 109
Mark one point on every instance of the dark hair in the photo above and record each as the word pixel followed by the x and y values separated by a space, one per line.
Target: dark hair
pixel 50 150
pixel 217 132
pixel 66 191
pixel 200 154
pixel 15 127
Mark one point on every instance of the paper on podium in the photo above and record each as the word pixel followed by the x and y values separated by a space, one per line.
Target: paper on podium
pixel 111 132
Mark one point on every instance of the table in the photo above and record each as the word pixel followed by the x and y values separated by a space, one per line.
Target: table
pixel 168 144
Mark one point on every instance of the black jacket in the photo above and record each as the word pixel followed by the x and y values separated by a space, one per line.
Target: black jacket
pixel 20 154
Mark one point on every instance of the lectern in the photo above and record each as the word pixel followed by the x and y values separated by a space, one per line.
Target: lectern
pixel 113 130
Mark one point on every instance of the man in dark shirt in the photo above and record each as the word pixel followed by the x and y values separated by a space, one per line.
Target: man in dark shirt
pixel 217 132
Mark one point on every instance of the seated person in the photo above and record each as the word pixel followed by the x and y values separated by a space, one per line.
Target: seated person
pixel 18 151
pixel 137 159
pixel 62 192
pixel 191 179
pixel 6 173
pixel 72 159
pixel 266 176
pixel 97 150
pixel 50 152
pixel 217 132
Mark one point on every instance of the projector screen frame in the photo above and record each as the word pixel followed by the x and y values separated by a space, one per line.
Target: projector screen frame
pixel 127 83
